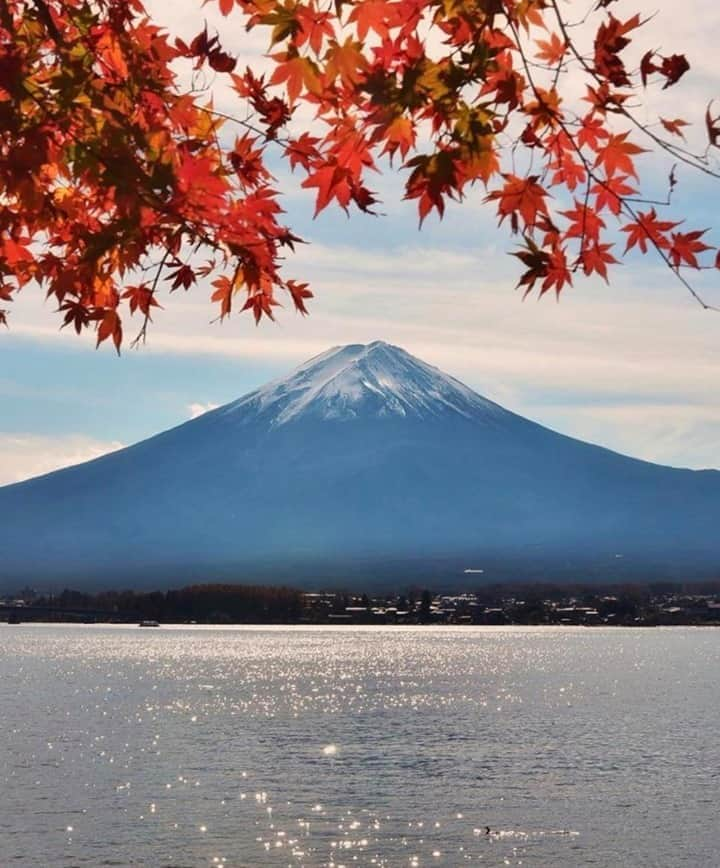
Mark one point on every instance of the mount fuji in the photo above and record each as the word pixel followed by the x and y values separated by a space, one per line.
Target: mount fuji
pixel 364 467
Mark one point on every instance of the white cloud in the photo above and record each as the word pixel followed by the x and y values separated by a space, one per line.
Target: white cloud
pixel 198 409
pixel 23 456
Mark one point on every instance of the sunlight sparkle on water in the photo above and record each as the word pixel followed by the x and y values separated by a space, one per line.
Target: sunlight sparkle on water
pixel 399 746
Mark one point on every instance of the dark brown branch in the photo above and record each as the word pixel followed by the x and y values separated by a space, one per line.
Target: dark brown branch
pixel 142 334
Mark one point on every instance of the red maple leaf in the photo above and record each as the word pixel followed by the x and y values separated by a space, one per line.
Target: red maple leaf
pixel 675 127
pixel 596 258
pixel 647 228
pixel 610 193
pixel 551 51
pixel 520 197
pixel 617 155
pixel 584 222
pixel 685 246
pixel 299 292
pixel 591 132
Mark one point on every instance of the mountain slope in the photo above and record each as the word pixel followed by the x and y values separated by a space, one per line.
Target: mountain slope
pixel 365 464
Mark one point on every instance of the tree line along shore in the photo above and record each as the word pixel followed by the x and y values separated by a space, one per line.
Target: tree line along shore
pixel 623 605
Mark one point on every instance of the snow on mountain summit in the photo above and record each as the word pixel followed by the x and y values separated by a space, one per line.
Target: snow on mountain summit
pixel 375 379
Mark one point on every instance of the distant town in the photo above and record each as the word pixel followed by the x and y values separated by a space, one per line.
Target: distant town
pixel 649 605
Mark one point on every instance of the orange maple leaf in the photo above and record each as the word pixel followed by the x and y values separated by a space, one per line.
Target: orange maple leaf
pixel 617 155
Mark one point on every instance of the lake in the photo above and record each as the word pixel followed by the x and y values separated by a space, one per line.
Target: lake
pixel 323 746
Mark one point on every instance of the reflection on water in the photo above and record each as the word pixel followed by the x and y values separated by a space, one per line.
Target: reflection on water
pixel 371 746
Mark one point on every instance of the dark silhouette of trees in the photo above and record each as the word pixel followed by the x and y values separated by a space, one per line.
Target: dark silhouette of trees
pixel 209 604
pixel 425 602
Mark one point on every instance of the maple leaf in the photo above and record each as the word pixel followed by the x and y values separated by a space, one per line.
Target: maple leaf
pixel 549 266
pixel 332 182
pixel 591 132
pixel 552 51
pixel 713 127
pixel 346 61
pixel 200 46
pixel 506 85
pixel 526 12
pixel 110 54
pixel 399 135
pixel 198 179
pixel 141 298
pixel 604 99
pixel 299 292
pixel 302 151
pixel 110 326
pixel 596 258
pixel 647 228
pixel 261 304
pixel 536 261
pixel 673 68
pixel 371 15
pixel 247 160
pixel 433 178
pixel 296 72
pixel 284 22
pixel 674 127
pixel 558 273
pixel 520 198
pixel 610 193
pixel 223 293
pixel 685 247
pixel 220 61
pixel 585 223
pixel 15 252
pixel 570 173
pixel 610 39
pixel 647 67
pixel 314 27
pixel 616 156
pixel 183 276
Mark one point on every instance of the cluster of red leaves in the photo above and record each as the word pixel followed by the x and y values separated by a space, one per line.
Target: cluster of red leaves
pixel 107 170
pixel 378 90
pixel 108 173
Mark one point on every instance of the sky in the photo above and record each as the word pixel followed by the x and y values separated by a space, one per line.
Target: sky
pixel 634 366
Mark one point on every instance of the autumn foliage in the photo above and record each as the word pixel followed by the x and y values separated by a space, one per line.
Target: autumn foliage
pixel 116 181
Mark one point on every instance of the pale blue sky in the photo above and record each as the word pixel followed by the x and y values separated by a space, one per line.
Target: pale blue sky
pixel 635 366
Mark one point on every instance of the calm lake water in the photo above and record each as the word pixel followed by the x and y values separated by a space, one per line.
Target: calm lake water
pixel 370 746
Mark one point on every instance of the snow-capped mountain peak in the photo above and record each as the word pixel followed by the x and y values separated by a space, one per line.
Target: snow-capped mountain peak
pixel 375 379
pixel 365 462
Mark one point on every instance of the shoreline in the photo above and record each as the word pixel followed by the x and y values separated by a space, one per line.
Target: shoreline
pixel 347 626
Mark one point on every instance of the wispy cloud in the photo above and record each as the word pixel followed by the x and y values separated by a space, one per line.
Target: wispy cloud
pixel 23 456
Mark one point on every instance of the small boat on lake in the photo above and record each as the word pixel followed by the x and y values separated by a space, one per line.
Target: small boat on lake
pixel 149 624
